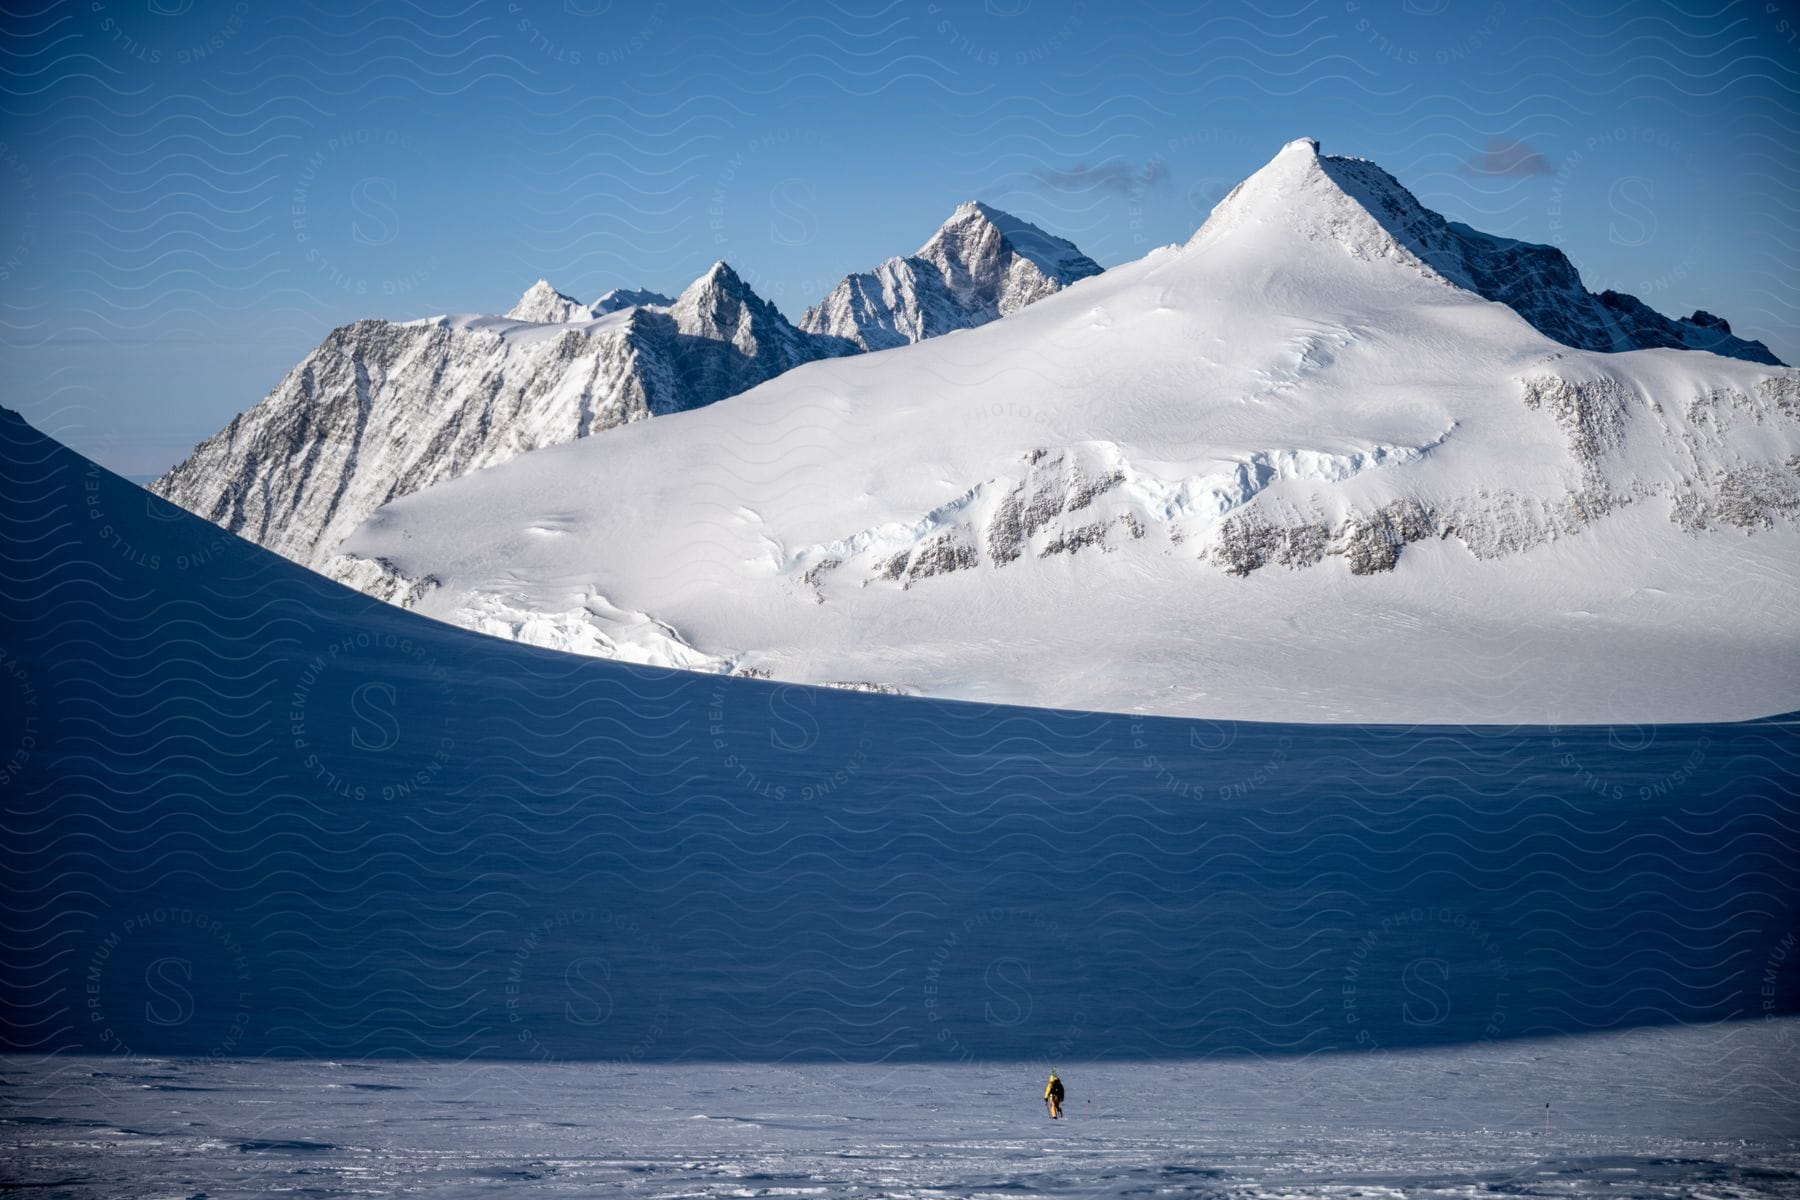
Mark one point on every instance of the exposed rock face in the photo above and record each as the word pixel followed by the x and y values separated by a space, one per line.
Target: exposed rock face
pixel 1747 498
pixel 721 338
pixel 1248 541
pixel 982 264
pixel 1372 542
pixel 380 410
pixel 1590 414
pixel 543 304
pixel 379 578
pixel 622 298
pixel 1089 497
pixel 1538 282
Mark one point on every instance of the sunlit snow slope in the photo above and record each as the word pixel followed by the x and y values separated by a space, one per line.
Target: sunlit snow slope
pixel 1297 468
pixel 244 812
pixel 380 410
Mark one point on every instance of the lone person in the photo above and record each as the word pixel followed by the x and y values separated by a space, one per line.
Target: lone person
pixel 1053 1096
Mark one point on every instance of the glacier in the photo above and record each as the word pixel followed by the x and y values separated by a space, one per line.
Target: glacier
pixel 1308 465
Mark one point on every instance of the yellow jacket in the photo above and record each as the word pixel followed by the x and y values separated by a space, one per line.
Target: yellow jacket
pixel 1050 1088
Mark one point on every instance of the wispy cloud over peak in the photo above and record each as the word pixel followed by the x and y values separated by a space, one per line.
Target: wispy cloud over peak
pixel 1505 156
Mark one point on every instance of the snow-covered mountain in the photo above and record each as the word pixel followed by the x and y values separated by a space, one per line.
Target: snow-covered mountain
pixel 381 409
pixel 544 304
pixel 1297 468
pixel 1539 282
pixel 981 265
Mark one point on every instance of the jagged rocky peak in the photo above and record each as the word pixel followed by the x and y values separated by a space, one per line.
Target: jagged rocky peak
pixel 722 306
pixel 718 284
pixel 978 238
pixel 379 410
pixel 980 265
pixel 622 298
pixel 1355 204
pixel 544 304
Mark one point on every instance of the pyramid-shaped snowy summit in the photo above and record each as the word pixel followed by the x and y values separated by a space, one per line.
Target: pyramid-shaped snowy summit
pixel 1371 215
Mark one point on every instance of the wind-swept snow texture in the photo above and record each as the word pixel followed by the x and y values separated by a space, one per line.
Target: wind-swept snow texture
pixel 248 812
pixel 1676 1113
pixel 1303 467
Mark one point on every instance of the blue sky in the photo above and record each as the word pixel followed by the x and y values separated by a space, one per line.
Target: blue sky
pixel 197 190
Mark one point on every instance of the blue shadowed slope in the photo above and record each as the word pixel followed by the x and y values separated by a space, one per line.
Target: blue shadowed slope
pixel 249 812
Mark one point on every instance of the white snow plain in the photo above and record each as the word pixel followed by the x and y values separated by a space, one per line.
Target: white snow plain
pixel 1178 488
pixel 1672 1113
